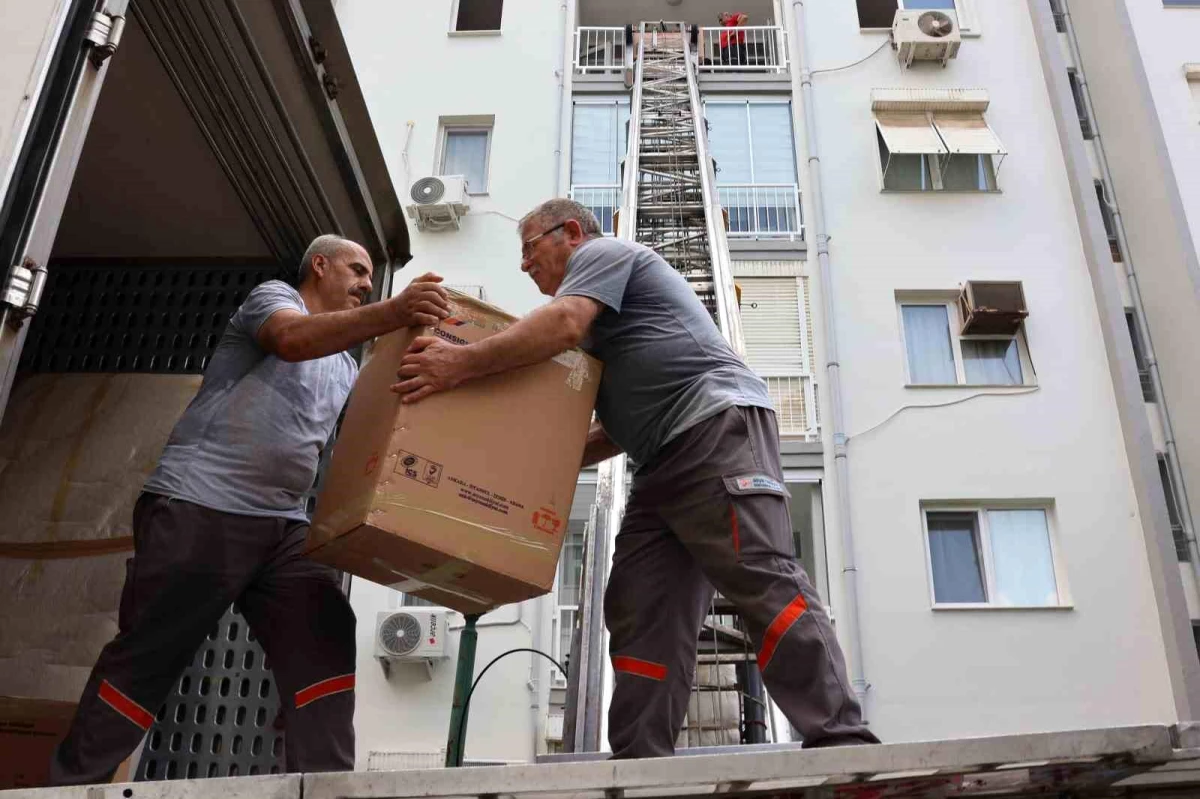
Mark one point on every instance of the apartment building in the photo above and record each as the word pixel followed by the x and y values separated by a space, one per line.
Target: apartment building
pixel 982 507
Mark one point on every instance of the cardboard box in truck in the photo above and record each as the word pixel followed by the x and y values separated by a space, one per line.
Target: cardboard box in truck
pixel 461 498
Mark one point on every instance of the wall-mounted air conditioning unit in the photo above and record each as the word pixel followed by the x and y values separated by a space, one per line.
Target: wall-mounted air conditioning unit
pixel 925 36
pixel 410 634
pixel 438 202
pixel 993 308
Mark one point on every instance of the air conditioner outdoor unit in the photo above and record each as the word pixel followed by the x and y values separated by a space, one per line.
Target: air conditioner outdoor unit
pixel 411 634
pixel 438 202
pixel 994 308
pixel 925 36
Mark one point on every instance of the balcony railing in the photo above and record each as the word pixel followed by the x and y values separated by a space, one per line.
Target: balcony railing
pixel 599 50
pixel 795 401
pixel 602 199
pixel 748 48
pixel 762 210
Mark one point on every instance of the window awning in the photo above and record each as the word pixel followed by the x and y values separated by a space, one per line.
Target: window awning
pixel 967 133
pixel 908 134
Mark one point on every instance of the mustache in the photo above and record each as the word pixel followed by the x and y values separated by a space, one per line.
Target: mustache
pixel 363 296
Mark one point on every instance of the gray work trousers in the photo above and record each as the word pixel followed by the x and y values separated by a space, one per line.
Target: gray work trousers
pixel 190 563
pixel 711 510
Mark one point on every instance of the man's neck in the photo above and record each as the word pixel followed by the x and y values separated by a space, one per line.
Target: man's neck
pixel 312 300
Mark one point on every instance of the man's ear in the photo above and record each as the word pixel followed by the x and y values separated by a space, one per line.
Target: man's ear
pixel 574 231
pixel 319 264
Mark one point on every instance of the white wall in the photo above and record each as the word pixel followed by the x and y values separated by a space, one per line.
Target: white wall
pixel 412 70
pixel 952 673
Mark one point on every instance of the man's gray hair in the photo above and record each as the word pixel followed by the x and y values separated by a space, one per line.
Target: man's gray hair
pixel 559 210
pixel 329 245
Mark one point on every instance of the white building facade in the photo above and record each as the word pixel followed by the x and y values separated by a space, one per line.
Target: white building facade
pixel 1007 528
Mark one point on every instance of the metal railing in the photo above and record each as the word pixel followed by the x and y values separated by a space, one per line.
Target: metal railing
pixel 599 49
pixel 747 48
pixel 795 401
pixel 762 210
pixel 602 199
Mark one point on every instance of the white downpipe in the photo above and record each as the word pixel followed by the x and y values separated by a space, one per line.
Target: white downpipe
pixel 848 616
pixel 560 103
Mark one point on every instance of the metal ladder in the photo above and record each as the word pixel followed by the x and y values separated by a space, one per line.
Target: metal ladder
pixel 670 204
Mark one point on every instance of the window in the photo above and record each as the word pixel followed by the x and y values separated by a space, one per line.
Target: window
pixel 751 142
pixel 773 328
pixel 1110 222
pixel 478 15
pixel 936 357
pixel 1060 18
pixel 413 601
pixel 1085 121
pixel 942 151
pixel 598 143
pixel 569 598
pixel 1174 515
pixel 997 556
pixel 881 13
pixel 466 151
pixel 1139 356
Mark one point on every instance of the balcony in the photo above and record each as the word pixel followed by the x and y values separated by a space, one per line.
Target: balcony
pixel 603 200
pixel 795 401
pixel 762 210
pixel 748 48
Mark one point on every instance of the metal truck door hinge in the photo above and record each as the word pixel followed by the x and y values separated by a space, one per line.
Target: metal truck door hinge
pixel 104 35
pixel 23 290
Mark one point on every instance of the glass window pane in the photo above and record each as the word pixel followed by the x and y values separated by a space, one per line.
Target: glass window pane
pixel 903 172
pixel 596 141
pixel 466 154
pixel 927 339
pixel 1021 559
pixel 729 140
pixel 992 362
pixel 968 173
pixel 479 15
pixel 954 556
pixel 570 564
pixel 771 143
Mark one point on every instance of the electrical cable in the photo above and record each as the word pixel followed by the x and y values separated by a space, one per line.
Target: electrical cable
pixel 462 720
pixel 856 63
pixel 958 401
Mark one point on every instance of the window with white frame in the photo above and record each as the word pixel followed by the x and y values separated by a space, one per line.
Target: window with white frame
pixel 777 349
pixel 466 151
pixel 1174 514
pixel 992 556
pixel 598 143
pixel 937 151
pixel 937 353
pixel 478 15
pixel 568 592
pixel 751 141
pixel 881 13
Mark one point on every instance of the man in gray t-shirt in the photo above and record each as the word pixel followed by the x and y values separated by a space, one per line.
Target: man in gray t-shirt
pixel 708 506
pixel 222 519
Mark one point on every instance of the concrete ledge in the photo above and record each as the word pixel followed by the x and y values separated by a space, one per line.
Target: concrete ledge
pixel 768 249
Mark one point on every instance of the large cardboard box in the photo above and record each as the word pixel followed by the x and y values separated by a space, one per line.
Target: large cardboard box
pixel 463 497
pixel 29 731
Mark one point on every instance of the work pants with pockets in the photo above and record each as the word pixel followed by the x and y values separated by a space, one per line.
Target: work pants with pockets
pixel 190 563
pixel 710 509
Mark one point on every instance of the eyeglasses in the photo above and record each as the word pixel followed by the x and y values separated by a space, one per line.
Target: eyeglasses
pixel 527 244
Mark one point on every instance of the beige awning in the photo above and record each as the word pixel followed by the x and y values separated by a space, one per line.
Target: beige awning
pixel 908 134
pixel 967 134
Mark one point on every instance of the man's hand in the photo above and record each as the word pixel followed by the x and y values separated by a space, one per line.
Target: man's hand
pixel 431 365
pixel 423 302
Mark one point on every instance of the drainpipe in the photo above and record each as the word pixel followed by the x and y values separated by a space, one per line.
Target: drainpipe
pixel 561 73
pixel 848 616
pixel 1139 308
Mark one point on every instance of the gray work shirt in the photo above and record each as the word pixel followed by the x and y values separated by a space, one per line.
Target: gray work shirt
pixel 250 440
pixel 666 365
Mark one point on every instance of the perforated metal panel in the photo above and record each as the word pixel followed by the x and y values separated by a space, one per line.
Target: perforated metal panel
pixel 220 720
pixel 119 317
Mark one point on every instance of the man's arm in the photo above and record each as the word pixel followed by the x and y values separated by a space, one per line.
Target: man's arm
pixel 599 446
pixel 433 365
pixel 294 336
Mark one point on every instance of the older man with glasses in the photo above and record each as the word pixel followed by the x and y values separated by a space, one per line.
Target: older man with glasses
pixel 708 506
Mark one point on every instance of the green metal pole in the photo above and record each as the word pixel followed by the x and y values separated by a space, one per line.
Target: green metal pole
pixel 455 744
